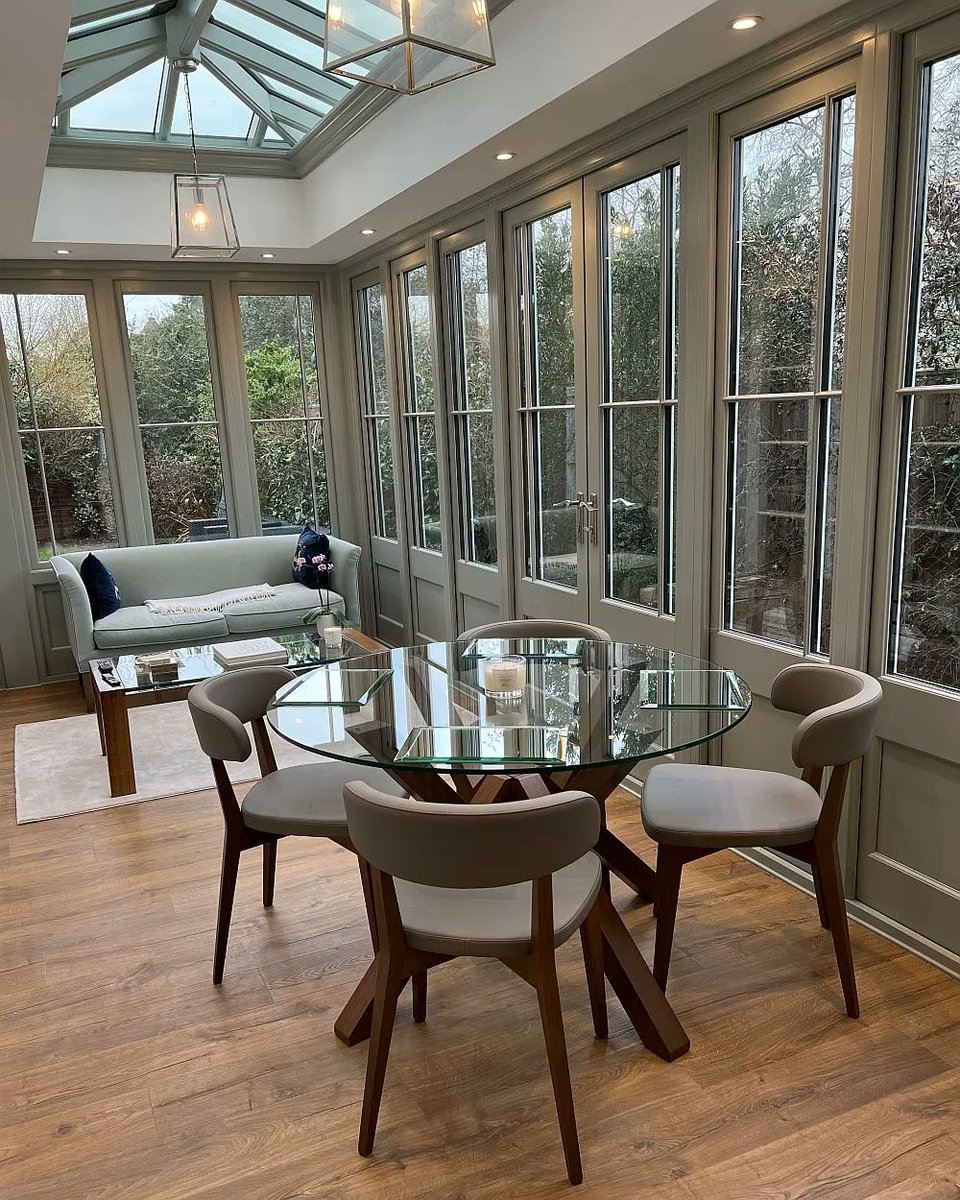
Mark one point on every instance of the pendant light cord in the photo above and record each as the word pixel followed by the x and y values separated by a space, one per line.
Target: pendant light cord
pixel 193 139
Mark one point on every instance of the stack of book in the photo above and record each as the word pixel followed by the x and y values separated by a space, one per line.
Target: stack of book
pixel 256 652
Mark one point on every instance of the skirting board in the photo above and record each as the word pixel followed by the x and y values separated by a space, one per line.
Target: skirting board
pixel 792 873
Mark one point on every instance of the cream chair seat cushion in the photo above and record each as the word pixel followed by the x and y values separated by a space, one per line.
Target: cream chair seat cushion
pixel 689 805
pixel 307 801
pixel 494 922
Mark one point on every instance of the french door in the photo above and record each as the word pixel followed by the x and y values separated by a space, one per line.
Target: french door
pixel 593 358
pixel 546 356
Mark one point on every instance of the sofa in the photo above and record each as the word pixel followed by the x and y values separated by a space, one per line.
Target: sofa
pixel 192 568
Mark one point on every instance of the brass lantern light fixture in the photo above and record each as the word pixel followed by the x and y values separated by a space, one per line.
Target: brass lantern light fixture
pixel 201 220
pixel 407 45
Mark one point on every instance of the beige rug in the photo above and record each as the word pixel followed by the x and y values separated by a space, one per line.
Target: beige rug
pixel 60 771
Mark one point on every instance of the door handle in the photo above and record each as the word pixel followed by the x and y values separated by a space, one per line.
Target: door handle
pixel 593 517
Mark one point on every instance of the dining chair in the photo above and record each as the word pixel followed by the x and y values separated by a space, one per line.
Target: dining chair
pixel 536 627
pixel 691 811
pixel 509 881
pixel 304 801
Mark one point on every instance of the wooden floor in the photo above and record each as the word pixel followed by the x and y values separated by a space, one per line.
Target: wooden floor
pixel 125 1073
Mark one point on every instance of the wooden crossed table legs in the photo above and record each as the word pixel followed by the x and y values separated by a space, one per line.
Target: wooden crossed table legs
pixel 623 964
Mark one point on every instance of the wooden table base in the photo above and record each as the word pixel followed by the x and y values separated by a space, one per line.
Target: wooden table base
pixel 624 966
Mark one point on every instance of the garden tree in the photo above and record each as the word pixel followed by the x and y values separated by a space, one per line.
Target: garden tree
pixel 929 629
pixel 170 357
pixel 54 386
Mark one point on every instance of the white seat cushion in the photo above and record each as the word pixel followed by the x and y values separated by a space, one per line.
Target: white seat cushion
pixel 688 805
pixel 494 922
pixel 137 626
pixel 283 610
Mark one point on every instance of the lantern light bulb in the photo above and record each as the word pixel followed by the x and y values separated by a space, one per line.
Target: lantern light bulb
pixel 199 218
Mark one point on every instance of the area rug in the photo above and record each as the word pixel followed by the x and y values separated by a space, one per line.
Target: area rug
pixel 60 770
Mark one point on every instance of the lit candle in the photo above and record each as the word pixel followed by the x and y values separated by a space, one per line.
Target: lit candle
pixel 505 676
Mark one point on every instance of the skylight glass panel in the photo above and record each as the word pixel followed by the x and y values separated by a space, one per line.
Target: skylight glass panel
pixel 279 88
pixel 274 36
pixel 128 106
pixel 216 110
pixel 114 20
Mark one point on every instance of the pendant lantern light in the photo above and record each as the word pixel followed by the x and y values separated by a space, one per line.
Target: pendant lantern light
pixel 407 45
pixel 201 220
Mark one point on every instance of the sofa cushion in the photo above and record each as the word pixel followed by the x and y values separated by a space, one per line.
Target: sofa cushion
pixel 137 626
pixel 283 610
pixel 102 590
pixel 311 561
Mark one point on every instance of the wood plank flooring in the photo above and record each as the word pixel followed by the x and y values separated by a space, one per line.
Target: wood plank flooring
pixel 127 1076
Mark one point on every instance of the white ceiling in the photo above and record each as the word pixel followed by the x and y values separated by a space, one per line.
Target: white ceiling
pixel 565 68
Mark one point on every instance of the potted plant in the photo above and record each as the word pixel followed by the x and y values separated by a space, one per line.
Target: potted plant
pixel 322 616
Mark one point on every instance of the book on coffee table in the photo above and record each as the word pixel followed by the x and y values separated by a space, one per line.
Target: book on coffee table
pixel 255 652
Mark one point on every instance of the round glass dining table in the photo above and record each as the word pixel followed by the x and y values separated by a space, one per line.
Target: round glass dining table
pixel 581 715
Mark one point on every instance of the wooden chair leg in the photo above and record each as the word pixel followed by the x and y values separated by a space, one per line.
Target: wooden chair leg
pixel 269 872
pixel 551 1017
pixel 389 983
pixel 670 860
pixel 420 997
pixel 228 886
pixel 592 942
pixel 831 882
pixel 818 892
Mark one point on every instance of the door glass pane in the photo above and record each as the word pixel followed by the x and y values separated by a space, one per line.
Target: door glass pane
pixel 170 357
pixel 925 641
pixel 57 401
pixel 551 252
pixel 479 452
pixel 633 294
pixel 383 476
pixel 280 357
pixel 777 255
pixel 826 523
pixel 469 311
pixel 419 409
pixel 845 113
pixel 769 440
pixel 552 443
pixel 633 474
pixel 640 264
pixel 937 359
pixel 375 401
pixel 925 611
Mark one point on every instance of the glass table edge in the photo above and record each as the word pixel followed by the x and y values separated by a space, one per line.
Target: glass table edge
pixel 518 768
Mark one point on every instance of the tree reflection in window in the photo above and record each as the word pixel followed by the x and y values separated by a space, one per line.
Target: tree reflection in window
pixel 925 626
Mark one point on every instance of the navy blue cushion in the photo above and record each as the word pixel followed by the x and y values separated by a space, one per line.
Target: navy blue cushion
pixel 311 563
pixel 101 587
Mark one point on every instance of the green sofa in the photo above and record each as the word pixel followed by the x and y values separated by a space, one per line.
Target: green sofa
pixel 193 568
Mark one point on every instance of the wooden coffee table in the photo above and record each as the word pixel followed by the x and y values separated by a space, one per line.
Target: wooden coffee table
pixel 113 700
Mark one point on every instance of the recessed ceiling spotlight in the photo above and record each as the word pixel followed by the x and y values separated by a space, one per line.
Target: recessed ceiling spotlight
pixel 63 251
pixel 267 254
pixel 505 156
pixel 742 23
pixel 368 232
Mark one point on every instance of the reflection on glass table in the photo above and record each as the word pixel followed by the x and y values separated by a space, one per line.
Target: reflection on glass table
pixel 616 705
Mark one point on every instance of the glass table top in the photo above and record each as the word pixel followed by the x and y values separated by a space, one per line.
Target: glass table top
pixel 305 651
pixel 426 708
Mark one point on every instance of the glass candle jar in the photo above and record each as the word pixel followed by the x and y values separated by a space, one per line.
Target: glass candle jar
pixel 505 677
pixel 333 637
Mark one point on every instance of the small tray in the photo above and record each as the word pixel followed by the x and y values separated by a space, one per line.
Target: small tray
pixel 527 745
pixel 334 687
